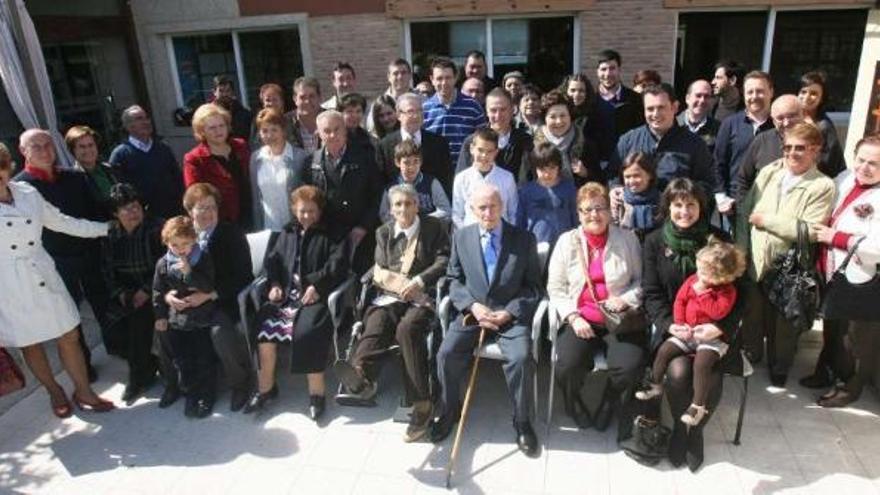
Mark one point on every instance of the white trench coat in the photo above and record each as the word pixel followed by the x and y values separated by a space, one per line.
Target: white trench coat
pixel 34 306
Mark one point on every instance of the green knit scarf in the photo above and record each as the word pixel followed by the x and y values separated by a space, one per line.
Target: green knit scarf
pixel 684 244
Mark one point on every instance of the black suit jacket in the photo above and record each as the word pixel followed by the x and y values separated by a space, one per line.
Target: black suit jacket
pixel 233 270
pixel 432 250
pixel 516 286
pixel 436 160
pixel 514 157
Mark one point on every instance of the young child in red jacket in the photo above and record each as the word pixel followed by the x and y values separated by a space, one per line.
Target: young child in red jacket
pixel 704 299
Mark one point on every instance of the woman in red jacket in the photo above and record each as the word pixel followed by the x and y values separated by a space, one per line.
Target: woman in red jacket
pixel 222 161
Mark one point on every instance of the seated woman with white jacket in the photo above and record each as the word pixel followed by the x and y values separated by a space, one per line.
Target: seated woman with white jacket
pixel 612 258
pixel 854 226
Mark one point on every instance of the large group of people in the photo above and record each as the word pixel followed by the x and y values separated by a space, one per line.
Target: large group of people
pixel 660 222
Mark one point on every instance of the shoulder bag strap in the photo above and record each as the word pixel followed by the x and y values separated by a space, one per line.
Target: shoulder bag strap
pixel 585 264
pixel 804 249
pixel 849 255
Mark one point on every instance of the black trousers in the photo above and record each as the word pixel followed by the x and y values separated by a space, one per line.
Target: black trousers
pixel 625 355
pixel 137 329
pixel 409 326
pixel 230 347
pixel 83 278
pixel 457 351
pixel 193 354
pixel 761 319
pixel 836 355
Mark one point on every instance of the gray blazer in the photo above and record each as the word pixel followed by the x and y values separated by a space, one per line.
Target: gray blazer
pixel 516 286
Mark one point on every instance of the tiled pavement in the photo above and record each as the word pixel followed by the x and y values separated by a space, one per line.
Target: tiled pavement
pixel 789 446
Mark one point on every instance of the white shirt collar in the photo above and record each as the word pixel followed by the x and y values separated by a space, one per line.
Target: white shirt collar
pixel 409 232
pixel 141 145
pixel 416 138
pixel 694 127
pixel 266 152
pixel 503 140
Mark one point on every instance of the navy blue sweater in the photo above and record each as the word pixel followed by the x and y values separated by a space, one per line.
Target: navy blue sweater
pixel 155 174
pixel 680 153
pixel 71 193
pixel 734 137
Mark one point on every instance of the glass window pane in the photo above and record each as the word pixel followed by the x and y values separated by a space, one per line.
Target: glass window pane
pixel 706 38
pixel 450 39
pixel 200 58
pixel 828 40
pixel 270 57
pixel 540 48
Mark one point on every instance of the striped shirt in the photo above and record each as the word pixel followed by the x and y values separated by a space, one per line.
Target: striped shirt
pixel 454 122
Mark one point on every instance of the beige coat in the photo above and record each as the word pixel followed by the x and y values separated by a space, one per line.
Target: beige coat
pixel 809 200
pixel 622 263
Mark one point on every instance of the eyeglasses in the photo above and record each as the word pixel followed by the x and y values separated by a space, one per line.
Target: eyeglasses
pixel 593 209
pixel 794 148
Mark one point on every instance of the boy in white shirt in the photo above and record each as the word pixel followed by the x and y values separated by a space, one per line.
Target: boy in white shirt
pixel 484 149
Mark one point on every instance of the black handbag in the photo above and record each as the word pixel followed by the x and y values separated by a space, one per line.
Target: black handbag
pixel 649 442
pixel 844 300
pixel 792 283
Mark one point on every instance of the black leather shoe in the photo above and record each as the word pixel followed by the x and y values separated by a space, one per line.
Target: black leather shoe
pixel 131 393
pixel 258 400
pixel 191 409
pixel 441 427
pixel 778 379
pixel 349 376
pixel 238 399
pixel 316 406
pixel 169 396
pixel 575 410
pixel 526 439
pixel 817 380
pixel 204 408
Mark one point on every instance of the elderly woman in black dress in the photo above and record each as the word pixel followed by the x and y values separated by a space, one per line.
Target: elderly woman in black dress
pixel 302 269
pixel 130 252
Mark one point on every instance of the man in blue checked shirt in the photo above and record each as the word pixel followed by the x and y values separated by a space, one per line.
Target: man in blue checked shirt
pixel 450 113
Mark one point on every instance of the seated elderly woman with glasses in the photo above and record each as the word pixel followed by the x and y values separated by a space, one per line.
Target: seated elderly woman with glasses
pixel 596 267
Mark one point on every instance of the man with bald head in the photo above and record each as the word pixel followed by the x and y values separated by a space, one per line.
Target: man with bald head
pixel 495 285
pixel 77 259
pixel 697 116
pixel 786 111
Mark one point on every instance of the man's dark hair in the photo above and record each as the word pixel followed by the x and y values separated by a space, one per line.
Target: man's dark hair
pixel 341 66
pixel 661 89
pixel 476 54
pixel 532 89
pixel 486 134
pixel 759 74
pixel 223 80
pixel 123 194
pixel 400 61
pixel 443 63
pixel 608 56
pixel 352 100
pixel 732 69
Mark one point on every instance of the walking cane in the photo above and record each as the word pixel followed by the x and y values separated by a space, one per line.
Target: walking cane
pixel 464 410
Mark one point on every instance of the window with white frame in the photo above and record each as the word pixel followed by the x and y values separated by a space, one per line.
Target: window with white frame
pixel 542 48
pixel 802 41
pixel 252 58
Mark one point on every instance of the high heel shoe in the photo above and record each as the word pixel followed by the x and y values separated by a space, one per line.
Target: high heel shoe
pixel 62 410
pixel 316 406
pixel 258 400
pixel 694 415
pixel 99 406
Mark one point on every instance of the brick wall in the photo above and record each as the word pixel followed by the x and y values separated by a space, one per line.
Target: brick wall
pixel 642 31
pixel 367 41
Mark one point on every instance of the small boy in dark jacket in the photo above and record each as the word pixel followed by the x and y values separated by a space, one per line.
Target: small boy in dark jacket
pixel 186 329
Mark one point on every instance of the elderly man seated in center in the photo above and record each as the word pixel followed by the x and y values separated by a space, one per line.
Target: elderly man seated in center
pixel 412 252
pixel 495 284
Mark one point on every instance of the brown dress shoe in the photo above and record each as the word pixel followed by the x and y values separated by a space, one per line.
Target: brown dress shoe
pixel 839 397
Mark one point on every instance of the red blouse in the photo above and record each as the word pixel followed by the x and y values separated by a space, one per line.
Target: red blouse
pixel 587 305
pixel 199 165
pixel 710 306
